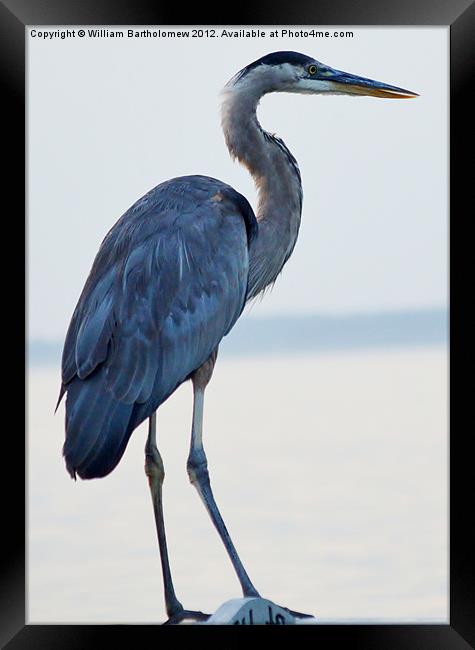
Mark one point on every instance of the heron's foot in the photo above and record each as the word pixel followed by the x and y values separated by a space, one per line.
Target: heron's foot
pixel 186 614
pixel 297 614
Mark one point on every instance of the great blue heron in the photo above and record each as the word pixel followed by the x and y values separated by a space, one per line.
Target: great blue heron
pixel 170 280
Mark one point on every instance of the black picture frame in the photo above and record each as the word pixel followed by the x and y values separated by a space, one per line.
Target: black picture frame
pixel 459 15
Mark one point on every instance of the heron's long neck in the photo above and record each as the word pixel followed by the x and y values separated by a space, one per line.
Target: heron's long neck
pixel 277 179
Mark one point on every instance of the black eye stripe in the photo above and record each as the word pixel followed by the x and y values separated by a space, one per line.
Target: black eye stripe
pixel 275 58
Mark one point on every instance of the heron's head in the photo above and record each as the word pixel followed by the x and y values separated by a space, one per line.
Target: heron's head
pixel 298 73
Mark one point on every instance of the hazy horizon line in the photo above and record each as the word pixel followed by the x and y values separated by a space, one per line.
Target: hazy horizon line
pixel 318 332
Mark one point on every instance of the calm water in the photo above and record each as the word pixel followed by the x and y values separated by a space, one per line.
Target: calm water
pixel 330 472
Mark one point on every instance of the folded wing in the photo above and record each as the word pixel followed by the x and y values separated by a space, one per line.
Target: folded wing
pixel 168 283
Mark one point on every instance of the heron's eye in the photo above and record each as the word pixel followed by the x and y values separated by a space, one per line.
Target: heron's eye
pixel 312 69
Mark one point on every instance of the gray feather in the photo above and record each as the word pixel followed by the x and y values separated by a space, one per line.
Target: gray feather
pixel 168 282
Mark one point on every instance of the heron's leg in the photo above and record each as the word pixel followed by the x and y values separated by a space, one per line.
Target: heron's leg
pixel 156 473
pixel 197 467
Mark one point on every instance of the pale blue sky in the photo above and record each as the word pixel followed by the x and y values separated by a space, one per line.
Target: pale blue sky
pixel 108 119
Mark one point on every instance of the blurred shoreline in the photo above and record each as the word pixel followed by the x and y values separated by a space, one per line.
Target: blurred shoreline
pixel 317 333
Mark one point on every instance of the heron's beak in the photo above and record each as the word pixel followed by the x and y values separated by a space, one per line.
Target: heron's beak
pixel 350 84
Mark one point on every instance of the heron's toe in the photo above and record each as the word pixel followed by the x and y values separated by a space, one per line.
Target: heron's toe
pixel 185 616
pixel 298 614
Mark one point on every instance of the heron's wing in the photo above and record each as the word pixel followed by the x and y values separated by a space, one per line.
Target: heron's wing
pixel 168 283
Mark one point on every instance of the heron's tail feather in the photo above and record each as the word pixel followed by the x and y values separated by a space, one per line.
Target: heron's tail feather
pixel 97 428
